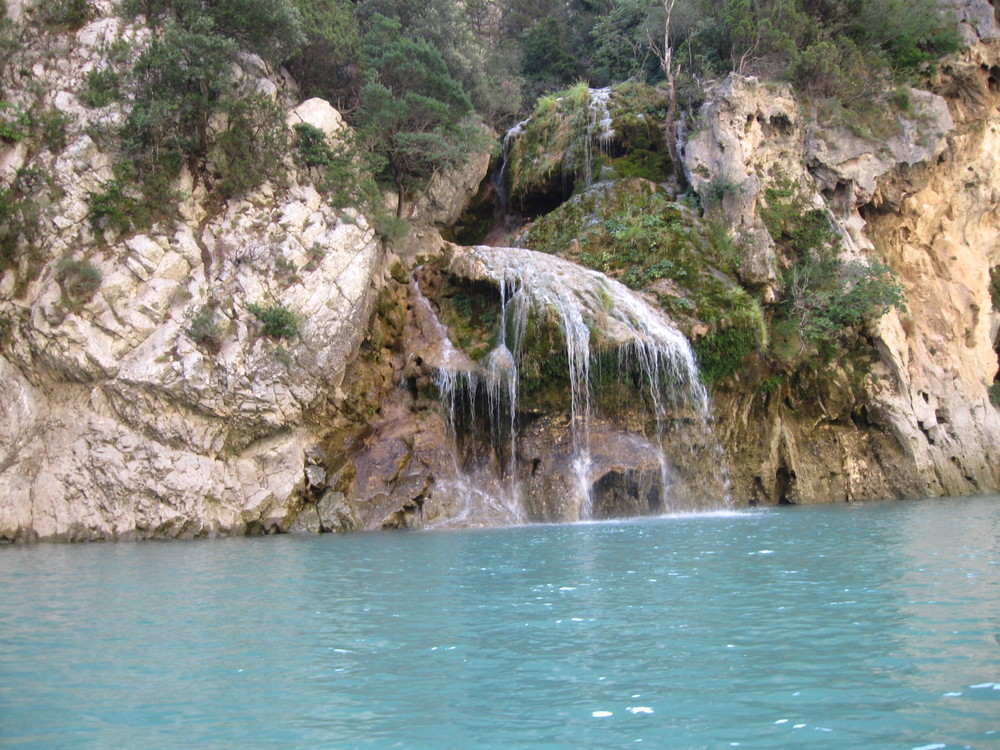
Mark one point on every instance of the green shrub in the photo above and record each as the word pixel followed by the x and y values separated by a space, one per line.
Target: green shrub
pixel 341 175
pixel 51 125
pixel 15 123
pixel 79 280
pixel 823 295
pixel 101 88
pixel 995 393
pixel 21 207
pixel 900 99
pixel 723 350
pixel 130 202
pixel 327 65
pixel 204 326
pixel 63 14
pixel 719 187
pixel 113 208
pixel 391 229
pixel 772 383
pixel 252 148
pixel 277 321
pixel 9 210
pixel 311 146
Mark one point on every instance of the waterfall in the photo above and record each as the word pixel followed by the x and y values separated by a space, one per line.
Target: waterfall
pixel 588 307
pixel 590 320
pixel 497 180
pixel 458 380
pixel 599 130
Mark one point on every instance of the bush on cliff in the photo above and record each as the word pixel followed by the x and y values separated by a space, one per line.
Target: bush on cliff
pixel 276 321
pixel 824 296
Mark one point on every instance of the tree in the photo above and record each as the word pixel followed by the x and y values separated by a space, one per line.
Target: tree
pixel 621 40
pixel 467 41
pixel 546 55
pixel 664 53
pixel 270 28
pixel 179 81
pixel 413 113
pixel 329 62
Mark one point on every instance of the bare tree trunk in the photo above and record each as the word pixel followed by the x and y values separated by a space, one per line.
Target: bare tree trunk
pixel 666 57
pixel 400 193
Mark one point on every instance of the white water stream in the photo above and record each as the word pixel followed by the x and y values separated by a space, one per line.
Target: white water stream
pixel 591 311
pixel 598 132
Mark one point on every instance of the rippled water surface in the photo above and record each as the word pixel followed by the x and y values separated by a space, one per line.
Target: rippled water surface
pixel 834 626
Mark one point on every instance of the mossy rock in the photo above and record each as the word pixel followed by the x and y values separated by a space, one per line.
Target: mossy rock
pixel 631 231
pixel 562 149
pixel 471 311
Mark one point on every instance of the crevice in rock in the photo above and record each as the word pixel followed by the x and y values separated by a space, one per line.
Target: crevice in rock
pixel 784 485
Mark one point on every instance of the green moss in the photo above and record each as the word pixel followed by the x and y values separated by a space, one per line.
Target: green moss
pixel 544 363
pixel 559 146
pixel 472 313
pixel 721 352
pixel 541 158
pixel 632 232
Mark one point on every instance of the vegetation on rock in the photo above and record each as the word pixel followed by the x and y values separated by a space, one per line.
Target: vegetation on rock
pixel 205 327
pixel 414 114
pixel 823 295
pixel 276 321
pixel 78 280
pixel 631 231
pixel 22 206
pixel 573 139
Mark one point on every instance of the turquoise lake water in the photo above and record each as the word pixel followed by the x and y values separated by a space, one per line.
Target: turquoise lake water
pixel 842 626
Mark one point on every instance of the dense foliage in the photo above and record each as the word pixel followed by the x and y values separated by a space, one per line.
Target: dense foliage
pixel 413 75
pixel 413 113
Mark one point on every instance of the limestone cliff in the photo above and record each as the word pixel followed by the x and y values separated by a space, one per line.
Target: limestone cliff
pixel 121 417
pixel 156 405
pixel 917 420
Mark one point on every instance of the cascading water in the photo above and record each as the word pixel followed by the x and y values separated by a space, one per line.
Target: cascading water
pixel 599 130
pixel 499 186
pixel 589 309
pixel 457 379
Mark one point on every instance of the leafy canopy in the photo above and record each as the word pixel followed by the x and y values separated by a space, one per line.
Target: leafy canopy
pixel 413 114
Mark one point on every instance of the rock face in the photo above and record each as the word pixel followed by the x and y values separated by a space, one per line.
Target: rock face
pixel 159 407
pixel 920 422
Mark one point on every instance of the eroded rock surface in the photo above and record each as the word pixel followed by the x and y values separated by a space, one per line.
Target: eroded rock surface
pixel 918 421
pixel 158 407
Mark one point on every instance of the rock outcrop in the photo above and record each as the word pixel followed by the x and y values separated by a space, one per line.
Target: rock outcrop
pixel 142 394
pixel 917 420
pixel 158 407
